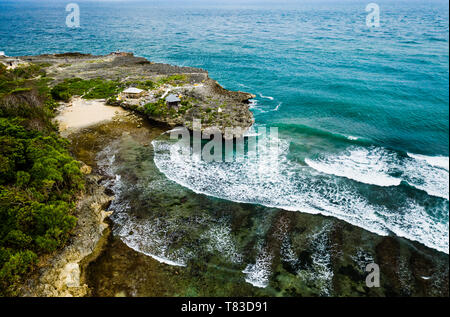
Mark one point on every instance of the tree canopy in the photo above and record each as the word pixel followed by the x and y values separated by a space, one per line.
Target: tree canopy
pixel 39 179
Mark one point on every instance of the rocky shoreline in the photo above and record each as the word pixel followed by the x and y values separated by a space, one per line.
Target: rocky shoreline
pixel 60 274
pixel 201 97
pixel 96 262
pixel 63 272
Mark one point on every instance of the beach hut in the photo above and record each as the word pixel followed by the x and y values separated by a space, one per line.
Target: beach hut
pixel 173 101
pixel 133 92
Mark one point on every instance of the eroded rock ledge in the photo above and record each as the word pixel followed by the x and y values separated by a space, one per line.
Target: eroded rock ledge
pixel 200 96
pixel 60 274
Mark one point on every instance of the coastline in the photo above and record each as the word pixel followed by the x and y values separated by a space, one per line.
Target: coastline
pixel 203 97
pixel 87 267
pixel 63 273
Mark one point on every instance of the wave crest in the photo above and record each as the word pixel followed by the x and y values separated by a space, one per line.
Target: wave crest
pixel 378 166
pixel 281 183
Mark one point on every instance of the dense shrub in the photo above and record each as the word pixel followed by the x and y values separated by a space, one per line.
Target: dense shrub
pixel 38 177
pixel 155 109
pixel 88 89
pixel 145 85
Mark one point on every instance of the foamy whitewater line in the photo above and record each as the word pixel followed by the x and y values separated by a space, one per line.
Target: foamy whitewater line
pixel 147 239
pixel 368 177
pixel 321 258
pixel 254 106
pixel 107 158
pixel 437 161
pixel 222 241
pixel 292 187
pixel 376 166
pixel 157 258
pixel 277 107
pixel 266 97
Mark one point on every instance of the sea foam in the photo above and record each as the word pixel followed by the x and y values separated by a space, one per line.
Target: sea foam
pixel 279 182
pixel 381 167
pixel 437 161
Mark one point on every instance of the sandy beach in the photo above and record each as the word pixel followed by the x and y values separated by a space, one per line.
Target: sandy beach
pixel 81 113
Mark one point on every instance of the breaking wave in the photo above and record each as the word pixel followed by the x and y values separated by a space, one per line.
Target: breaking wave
pixel 378 166
pixel 276 181
pixel 437 161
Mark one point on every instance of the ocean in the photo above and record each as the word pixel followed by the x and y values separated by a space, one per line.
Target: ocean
pixel 362 112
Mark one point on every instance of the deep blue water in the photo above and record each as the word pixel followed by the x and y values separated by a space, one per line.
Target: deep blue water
pixel 363 112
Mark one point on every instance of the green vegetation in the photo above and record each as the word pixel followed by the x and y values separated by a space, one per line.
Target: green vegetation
pixel 156 109
pixel 160 108
pixel 186 104
pixel 145 85
pixel 18 78
pixel 88 89
pixel 38 177
pixel 44 65
pixel 104 89
pixel 173 80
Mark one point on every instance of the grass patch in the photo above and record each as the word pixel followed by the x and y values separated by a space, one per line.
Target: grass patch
pixel 88 89
pixel 144 85
pixel 186 104
pixel 44 65
pixel 174 80
pixel 156 109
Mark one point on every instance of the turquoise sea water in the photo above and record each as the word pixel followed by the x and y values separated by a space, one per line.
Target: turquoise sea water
pixel 362 113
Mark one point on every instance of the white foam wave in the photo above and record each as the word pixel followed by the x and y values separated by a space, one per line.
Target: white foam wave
pixel 258 274
pixel 221 241
pixel 150 238
pixel 144 236
pixel 360 164
pixel 266 97
pixel 277 107
pixel 378 166
pixel 279 182
pixel 321 273
pixel 251 132
pixel 437 161
pixel 427 177
pixel 362 259
pixel 287 254
pixel 253 105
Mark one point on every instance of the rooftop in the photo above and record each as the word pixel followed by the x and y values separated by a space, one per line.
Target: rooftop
pixel 172 98
pixel 133 90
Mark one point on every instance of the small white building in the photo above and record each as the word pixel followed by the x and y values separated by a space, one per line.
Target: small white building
pixel 173 100
pixel 133 92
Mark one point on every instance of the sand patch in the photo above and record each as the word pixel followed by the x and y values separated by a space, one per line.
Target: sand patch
pixel 81 113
